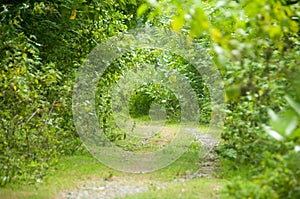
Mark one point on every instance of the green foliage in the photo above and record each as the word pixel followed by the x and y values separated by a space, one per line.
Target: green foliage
pixel 255 44
pixel 279 179
pixel 256 47
pixel 28 127
pixel 42 44
pixel 149 93
pixel 252 89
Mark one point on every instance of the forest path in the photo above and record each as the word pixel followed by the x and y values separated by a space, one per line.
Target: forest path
pixel 126 186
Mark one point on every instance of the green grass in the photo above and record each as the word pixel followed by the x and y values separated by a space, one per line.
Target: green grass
pixel 73 171
pixel 70 172
pixel 195 188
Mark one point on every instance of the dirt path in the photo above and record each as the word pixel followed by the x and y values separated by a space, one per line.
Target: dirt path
pixel 121 186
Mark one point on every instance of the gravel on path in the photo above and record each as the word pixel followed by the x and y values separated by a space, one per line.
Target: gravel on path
pixel 121 187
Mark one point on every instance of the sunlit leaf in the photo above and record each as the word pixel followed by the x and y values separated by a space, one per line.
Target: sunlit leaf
pixel 178 22
pixel 273 115
pixel 297 148
pixel 142 9
pixel 293 104
pixel 291 126
pixel 73 15
pixel 273 133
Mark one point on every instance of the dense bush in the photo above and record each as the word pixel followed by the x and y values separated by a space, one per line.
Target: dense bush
pixel 256 44
pixel 277 175
pixel 42 44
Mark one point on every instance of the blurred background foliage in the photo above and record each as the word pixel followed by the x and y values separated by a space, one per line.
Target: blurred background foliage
pixel 149 93
pixel 255 45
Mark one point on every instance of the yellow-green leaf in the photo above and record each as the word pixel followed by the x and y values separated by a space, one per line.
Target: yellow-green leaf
pixel 142 9
pixel 73 15
pixel 178 22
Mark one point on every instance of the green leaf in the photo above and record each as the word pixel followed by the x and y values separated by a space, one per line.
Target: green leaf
pixel 178 22
pixel 295 134
pixel 293 104
pixel 142 9
pixel 133 2
pixel 276 135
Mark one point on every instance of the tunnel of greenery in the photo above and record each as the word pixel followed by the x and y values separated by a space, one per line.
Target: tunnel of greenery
pixel 254 44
